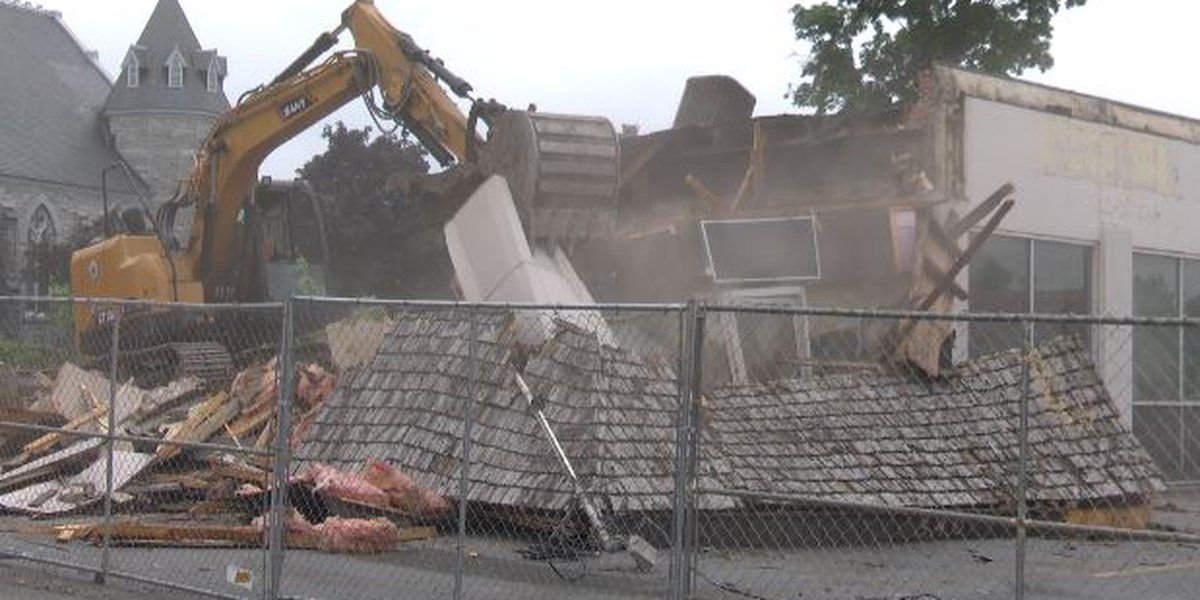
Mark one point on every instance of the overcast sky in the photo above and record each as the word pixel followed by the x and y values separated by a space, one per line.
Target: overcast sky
pixel 628 59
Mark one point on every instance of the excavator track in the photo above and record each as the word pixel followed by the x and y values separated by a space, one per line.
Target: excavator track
pixel 158 365
pixel 563 172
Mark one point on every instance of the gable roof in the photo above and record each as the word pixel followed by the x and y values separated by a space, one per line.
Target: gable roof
pixel 883 439
pixel 50 102
pixel 166 31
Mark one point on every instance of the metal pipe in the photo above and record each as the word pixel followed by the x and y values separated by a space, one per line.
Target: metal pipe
pixel 465 470
pixel 1023 466
pixel 888 314
pixel 324 42
pixel 278 518
pixel 589 510
pixel 104 198
pixel 691 510
pixel 110 430
pixel 1035 525
pixel 214 306
pixel 483 306
pixel 682 446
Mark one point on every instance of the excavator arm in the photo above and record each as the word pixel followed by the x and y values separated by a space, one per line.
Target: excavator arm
pixel 384 59
pixel 562 169
pixel 228 162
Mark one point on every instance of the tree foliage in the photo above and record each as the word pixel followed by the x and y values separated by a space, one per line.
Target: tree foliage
pixel 866 54
pixel 364 221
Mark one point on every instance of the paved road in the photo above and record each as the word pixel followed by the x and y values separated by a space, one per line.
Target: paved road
pixel 31 582
pixel 983 569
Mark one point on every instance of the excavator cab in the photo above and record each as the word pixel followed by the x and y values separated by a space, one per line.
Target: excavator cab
pixel 292 251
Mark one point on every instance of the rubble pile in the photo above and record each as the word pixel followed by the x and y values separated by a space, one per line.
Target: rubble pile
pixel 213 494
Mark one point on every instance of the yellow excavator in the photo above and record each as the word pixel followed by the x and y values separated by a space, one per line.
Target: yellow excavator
pixel 563 172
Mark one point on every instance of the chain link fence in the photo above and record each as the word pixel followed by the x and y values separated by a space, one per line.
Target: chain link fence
pixel 333 448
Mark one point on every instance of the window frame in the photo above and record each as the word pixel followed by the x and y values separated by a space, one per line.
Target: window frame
pixel 711 267
pixel 212 78
pixel 1181 399
pixel 175 67
pixel 739 372
pixel 1031 243
pixel 133 75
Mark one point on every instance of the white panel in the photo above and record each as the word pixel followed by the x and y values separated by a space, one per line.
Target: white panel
pixel 1075 178
pixel 486 241
pixel 493 263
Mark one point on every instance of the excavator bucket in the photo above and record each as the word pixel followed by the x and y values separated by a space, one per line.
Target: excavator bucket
pixel 563 171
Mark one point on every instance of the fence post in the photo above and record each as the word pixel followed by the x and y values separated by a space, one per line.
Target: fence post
pixel 465 468
pixel 278 516
pixel 1023 461
pixel 113 350
pixel 686 449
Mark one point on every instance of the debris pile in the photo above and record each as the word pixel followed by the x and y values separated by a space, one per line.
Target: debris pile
pixel 189 495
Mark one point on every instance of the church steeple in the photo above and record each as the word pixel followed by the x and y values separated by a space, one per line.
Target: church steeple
pixel 168 71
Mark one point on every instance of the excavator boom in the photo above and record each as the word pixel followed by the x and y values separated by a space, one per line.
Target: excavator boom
pixel 562 169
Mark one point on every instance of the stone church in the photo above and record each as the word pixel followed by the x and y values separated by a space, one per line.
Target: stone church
pixel 65 125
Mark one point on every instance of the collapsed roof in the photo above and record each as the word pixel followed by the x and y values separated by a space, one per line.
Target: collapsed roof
pixel 887 439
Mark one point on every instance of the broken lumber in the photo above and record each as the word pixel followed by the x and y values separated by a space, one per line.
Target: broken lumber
pixel 177 535
pixel 203 421
pixel 46 442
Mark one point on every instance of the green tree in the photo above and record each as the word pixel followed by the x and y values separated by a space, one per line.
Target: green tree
pixel 364 220
pixel 865 54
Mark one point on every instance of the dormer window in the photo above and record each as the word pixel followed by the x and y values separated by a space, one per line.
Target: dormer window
pixel 214 77
pixel 175 67
pixel 133 74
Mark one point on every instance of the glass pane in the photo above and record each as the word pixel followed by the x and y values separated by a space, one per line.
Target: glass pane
pixel 1160 429
pixel 1155 349
pixel 1062 284
pixel 769 345
pixel 999 282
pixel 1155 286
pixel 1191 335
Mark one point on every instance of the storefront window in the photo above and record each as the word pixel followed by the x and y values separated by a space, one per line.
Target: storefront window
pixel 1019 275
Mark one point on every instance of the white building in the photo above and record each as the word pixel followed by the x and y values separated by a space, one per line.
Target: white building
pixel 1108 198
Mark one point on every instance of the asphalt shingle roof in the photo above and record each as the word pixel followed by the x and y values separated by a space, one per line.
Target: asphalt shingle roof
pixel 166 30
pixel 890 439
pixel 51 95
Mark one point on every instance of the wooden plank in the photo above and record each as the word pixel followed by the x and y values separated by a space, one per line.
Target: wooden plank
pixel 751 181
pixel 239 471
pixel 1124 517
pixel 979 212
pixel 126 466
pixel 965 258
pixel 177 535
pixel 46 442
pixel 711 200
pixel 203 421
pixel 51 464
pixel 252 418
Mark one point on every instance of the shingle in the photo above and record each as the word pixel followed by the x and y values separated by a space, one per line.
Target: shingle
pixel 165 30
pixel 879 438
pixel 51 96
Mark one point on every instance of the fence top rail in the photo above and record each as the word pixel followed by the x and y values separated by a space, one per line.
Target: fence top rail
pixel 879 313
pixel 745 308
pixel 137 302
pixel 496 306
